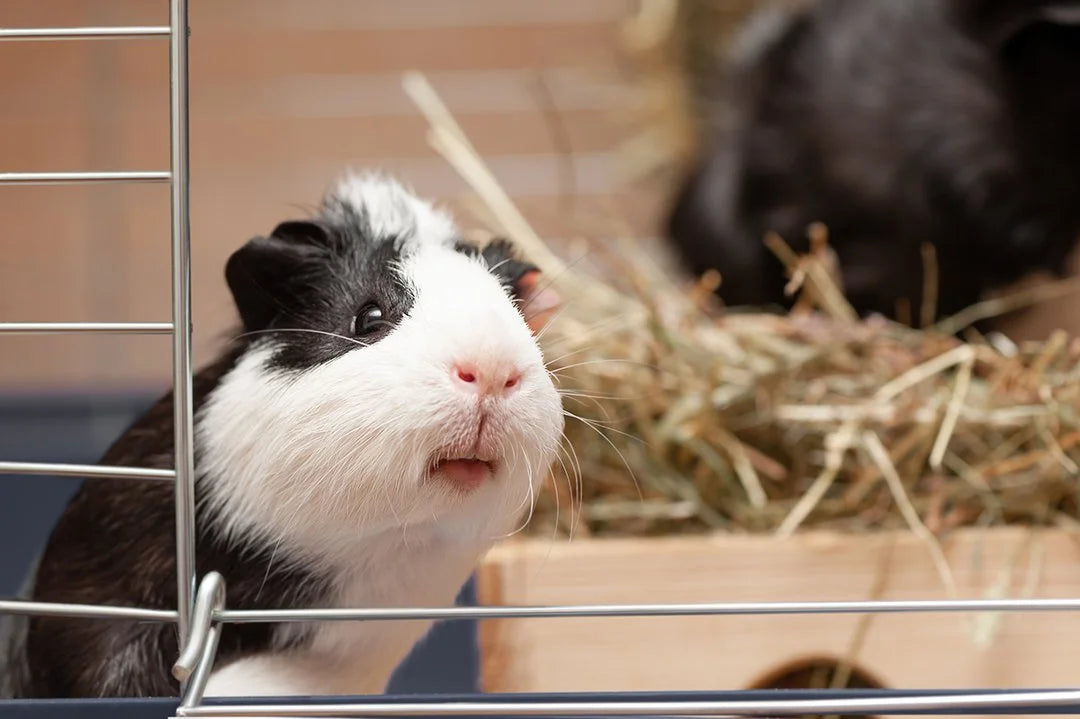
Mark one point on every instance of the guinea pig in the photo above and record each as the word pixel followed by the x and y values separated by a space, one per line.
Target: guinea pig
pixel 383 418
pixel 894 123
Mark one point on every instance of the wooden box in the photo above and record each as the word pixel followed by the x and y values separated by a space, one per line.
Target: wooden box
pixel 915 651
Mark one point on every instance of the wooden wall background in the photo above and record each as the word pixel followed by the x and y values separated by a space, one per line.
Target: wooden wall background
pixel 284 94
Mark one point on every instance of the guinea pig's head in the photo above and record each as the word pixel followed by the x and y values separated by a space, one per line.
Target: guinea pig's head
pixel 391 379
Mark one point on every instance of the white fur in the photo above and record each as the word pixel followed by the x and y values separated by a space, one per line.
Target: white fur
pixel 329 465
pixel 392 210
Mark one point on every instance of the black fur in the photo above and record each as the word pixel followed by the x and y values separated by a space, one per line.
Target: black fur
pixel 317 276
pixel 951 122
pixel 114 543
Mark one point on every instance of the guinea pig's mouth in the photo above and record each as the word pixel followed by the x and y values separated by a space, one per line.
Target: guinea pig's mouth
pixel 464 472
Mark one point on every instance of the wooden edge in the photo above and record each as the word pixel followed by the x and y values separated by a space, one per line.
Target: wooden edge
pixel 489 632
pixel 527 548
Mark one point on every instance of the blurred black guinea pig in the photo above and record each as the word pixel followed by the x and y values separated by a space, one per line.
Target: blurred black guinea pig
pixel 894 123
pixel 385 416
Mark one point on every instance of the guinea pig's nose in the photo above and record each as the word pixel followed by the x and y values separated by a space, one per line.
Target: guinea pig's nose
pixel 486 378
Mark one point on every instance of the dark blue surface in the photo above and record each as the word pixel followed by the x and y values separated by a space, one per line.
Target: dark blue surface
pixel 161 708
pixel 79 429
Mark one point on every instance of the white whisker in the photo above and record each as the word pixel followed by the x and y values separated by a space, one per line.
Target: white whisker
pixel 603 361
pixel 607 439
pixel 301 329
pixel 594 423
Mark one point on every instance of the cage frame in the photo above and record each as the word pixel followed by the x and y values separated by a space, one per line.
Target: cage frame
pixel 202 610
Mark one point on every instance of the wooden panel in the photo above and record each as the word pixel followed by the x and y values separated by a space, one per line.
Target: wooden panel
pixel 699 653
pixel 284 95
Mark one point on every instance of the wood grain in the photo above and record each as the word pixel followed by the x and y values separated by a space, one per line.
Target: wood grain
pixel 283 97
pixel 700 653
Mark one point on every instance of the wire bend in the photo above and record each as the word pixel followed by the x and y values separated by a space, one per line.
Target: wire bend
pixel 201 644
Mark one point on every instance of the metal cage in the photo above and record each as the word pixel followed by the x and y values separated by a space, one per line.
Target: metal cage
pixel 202 608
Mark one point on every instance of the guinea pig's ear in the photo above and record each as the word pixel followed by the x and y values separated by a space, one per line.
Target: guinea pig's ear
pixel 264 275
pixel 303 232
pixel 999 21
pixel 256 274
pixel 538 303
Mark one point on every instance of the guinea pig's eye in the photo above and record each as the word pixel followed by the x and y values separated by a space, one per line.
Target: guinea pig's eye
pixel 367 320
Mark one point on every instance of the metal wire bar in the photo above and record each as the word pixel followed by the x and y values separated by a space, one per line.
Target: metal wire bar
pixel 92 471
pixel 67 178
pixel 84 611
pixel 114 328
pixel 196 685
pixel 197 658
pixel 657 610
pixel 234 616
pixel 82 33
pixel 210 598
pixel 782 707
pixel 183 430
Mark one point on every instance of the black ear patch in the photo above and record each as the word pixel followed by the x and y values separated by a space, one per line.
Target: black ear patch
pixel 304 232
pixel 503 262
pixel 267 275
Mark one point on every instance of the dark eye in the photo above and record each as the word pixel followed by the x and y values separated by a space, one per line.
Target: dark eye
pixel 369 319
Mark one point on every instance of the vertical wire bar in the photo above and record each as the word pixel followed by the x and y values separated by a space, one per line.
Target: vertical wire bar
pixel 181 308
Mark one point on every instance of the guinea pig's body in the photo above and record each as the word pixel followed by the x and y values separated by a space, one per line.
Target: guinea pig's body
pixel 950 122
pixel 385 417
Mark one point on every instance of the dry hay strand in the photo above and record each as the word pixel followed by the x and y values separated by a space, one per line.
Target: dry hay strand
pixel 767 424
pixel 682 418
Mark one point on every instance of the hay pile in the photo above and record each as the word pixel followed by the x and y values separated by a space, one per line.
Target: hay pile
pixel 764 423
pixel 684 418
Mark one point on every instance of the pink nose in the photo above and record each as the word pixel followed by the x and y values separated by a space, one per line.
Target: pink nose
pixel 484 379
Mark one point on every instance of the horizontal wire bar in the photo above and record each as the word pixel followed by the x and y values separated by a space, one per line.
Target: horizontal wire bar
pixel 783 707
pixel 233 616
pixel 115 328
pixel 84 611
pixel 63 178
pixel 82 33
pixel 93 471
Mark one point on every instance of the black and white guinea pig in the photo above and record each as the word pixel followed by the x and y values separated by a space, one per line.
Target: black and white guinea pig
pixel 384 418
pixel 894 122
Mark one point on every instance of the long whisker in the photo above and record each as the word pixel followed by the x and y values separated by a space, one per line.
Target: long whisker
pixel 590 330
pixel 531 499
pixel 566 354
pixel 580 484
pixel 590 425
pixel 566 268
pixel 525 498
pixel 551 321
pixel 555 489
pixel 574 482
pixel 300 329
pixel 585 401
pixel 269 566
pixel 497 265
pixel 597 395
pixel 601 361
pixel 606 425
